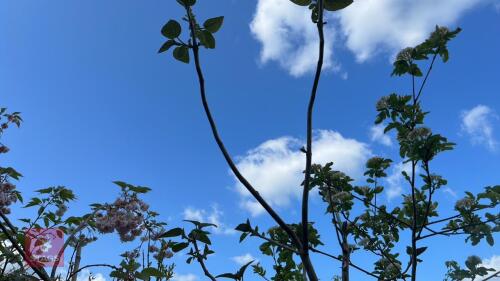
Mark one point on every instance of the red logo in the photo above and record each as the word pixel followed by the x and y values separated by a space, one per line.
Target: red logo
pixel 42 247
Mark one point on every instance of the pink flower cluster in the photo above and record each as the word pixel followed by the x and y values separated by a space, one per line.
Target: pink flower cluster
pixel 125 216
pixel 7 196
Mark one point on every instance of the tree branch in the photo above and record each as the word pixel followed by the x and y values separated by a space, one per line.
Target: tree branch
pixel 314 250
pixel 195 47
pixel 201 261
pixel 92 265
pixel 310 109
pixel 39 271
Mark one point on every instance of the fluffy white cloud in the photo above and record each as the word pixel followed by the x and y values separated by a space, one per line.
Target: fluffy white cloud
pixel 367 27
pixel 289 37
pixel 243 259
pixel 396 180
pixel 185 277
pixel 493 262
pixel 275 167
pixel 377 135
pixel 373 25
pixel 449 191
pixel 477 124
pixel 212 216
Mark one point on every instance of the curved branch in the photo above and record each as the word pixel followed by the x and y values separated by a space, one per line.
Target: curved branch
pixel 314 250
pixel 68 240
pixel 227 157
pixel 92 265
pixel 38 270
pixel 199 258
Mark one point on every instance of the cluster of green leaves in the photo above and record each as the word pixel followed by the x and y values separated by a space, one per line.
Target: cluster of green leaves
pixel 51 205
pixel 199 243
pixel 470 222
pixel 435 45
pixel 279 247
pixel 204 34
pixel 473 269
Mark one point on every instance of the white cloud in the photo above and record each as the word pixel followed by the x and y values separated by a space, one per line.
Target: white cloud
pixel 275 167
pixel 185 277
pixel 477 124
pixel 213 216
pixel 377 135
pixel 289 37
pixel 243 259
pixel 493 262
pixel 369 27
pixel 449 191
pixel 373 25
pixel 396 180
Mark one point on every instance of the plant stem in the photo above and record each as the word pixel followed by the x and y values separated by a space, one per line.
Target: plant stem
pixel 195 47
pixel 310 109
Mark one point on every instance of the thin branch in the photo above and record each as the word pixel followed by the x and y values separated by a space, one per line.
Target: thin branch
pixel 82 225
pixel 201 261
pixel 281 245
pixel 195 47
pixel 39 271
pixel 452 217
pixel 429 202
pixel 93 265
pixel 314 250
pixel 492 276
pixel 456 228
pixel 427 74
pixel 310 109
pixel 414 225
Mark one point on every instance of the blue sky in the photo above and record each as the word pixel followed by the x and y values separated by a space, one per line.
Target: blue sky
pixel 99 105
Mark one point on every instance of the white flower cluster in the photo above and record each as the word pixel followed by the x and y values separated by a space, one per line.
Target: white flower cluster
pixel 464 204
pixel 382 103
pixel 125 216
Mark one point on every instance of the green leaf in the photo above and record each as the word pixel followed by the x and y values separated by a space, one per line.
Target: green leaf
pixel 179 247
pixel 227 275
pixel 139 189
pixel 45 190
pixel 208 39
pixel 151 271
pixel 213 24
pixel 244 227
pixel 181 53
pixel 200 236
pixel 171 30
pixel 173 232
pixel 166 46
pixel 186 3
pixel 335 5
pixel 121 184
pixel 489 239
pixel 302 2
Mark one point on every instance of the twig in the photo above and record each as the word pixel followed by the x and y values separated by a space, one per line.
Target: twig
pixel 314 250
pixel 93 265
pixel 201 262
